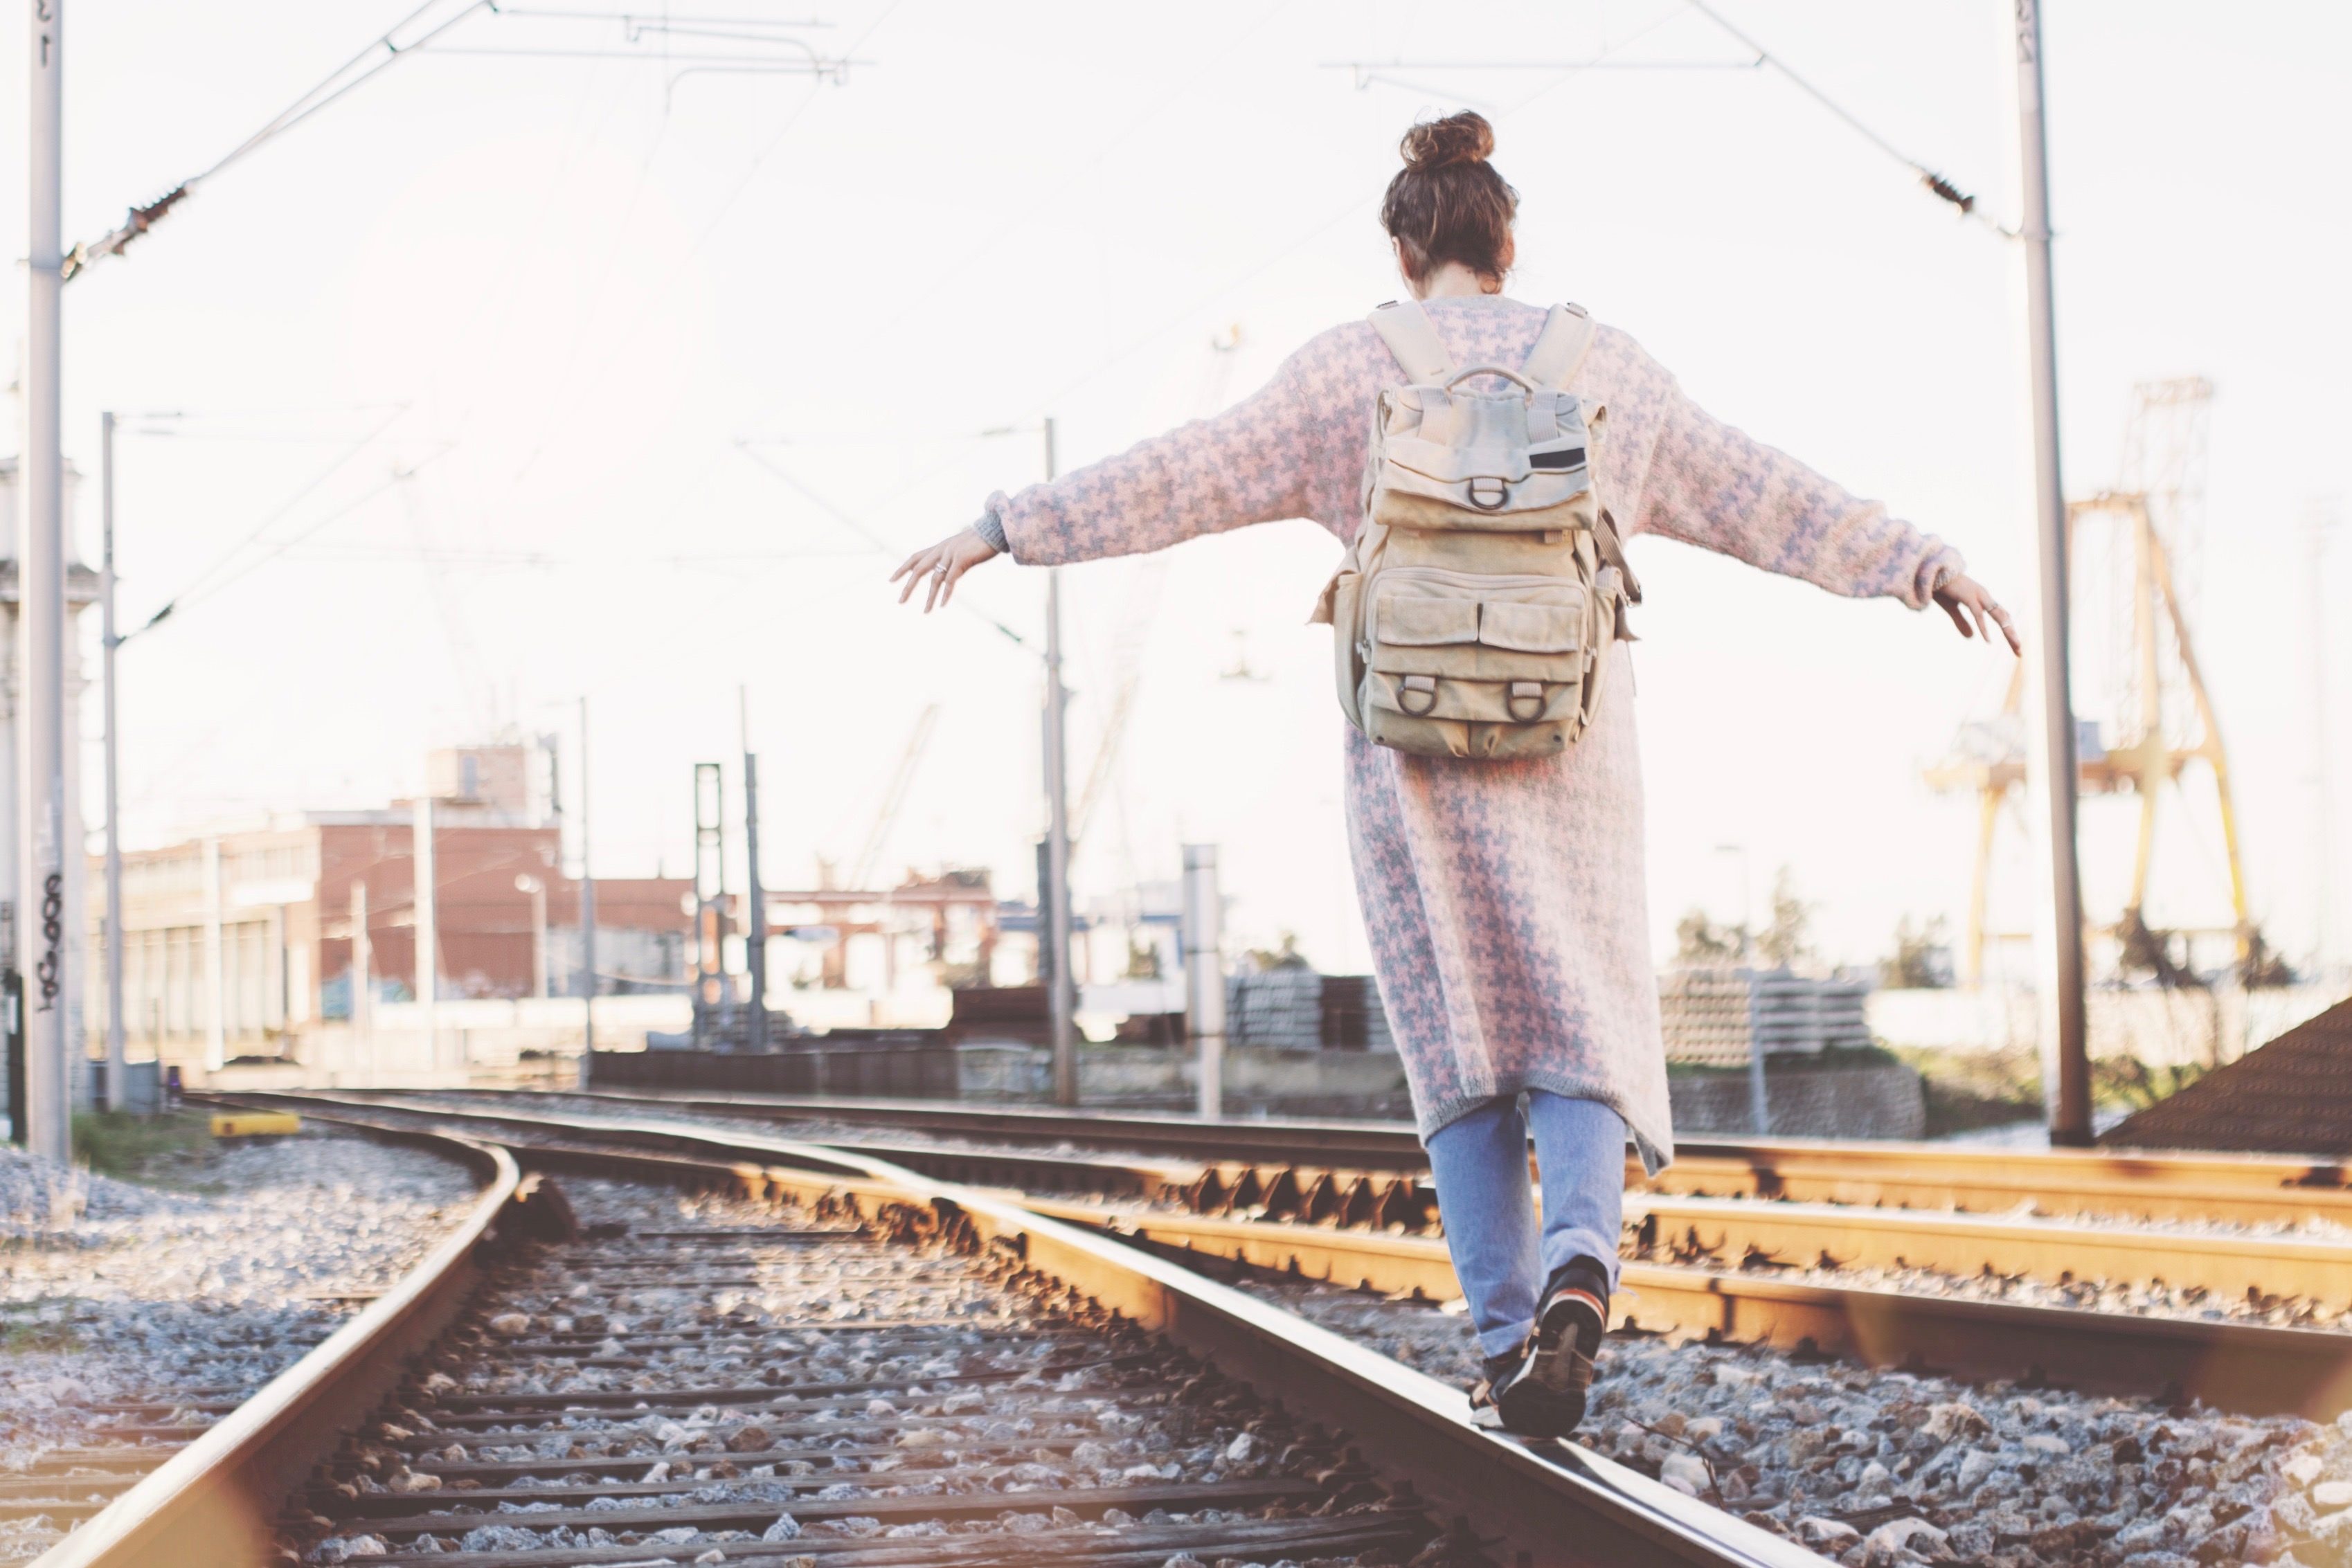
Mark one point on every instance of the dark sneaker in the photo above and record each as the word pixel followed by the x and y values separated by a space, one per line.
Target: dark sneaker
pixel 1546 1397
pixel 1523 1405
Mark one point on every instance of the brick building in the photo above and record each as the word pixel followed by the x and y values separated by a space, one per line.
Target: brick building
pixel 239 943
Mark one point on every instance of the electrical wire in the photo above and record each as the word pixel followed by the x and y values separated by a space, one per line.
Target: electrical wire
pixel 328 89
pixel 187 598
pixel 676 261
pixel 1941 187
pixel 199 582
pixel 858 526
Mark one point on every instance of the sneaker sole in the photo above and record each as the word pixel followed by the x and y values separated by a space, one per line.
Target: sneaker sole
pixel 1532 1409
pixel 1558 1367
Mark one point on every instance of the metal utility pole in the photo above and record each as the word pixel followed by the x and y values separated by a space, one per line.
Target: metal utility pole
pixel 713 1001
pixel 587 916
pixel 362 978
pixel 1204 974
pixel 2052 743
pixel 41 588
pixel 1061 995
pixel 427 968
pixel 755 932
pixel 2323 836
pixel 118 1069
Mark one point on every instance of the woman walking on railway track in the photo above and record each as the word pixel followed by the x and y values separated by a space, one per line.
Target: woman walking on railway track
pixel 1494 796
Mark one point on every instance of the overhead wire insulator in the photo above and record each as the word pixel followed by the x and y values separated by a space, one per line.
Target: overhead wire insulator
pixel 137 221
pixel 1947 190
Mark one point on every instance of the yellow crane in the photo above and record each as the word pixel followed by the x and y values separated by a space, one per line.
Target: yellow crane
pixel 2163 715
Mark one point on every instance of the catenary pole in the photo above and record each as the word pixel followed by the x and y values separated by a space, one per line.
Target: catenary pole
pixel 587 916
pixel 755 933
pixel 118 1089
pixel 2323 836
pixel 40 556
pixel 1060 995
pixel 427 973
pixel 2052 741
pixel 1204 974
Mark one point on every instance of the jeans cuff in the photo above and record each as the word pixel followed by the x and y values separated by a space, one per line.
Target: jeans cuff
pixel 1567 1246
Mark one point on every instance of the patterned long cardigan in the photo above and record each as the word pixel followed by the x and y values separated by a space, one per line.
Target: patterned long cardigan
pixel 1505 902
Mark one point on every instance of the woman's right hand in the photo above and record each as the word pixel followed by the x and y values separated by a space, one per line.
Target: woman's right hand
pixel 941 567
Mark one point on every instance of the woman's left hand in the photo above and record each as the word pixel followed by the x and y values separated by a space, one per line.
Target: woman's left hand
pixel 938 569
pixel 1964 597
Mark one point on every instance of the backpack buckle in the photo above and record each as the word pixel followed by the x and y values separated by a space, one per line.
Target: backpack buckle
pixel 1479 498
pixel 1525 701
pixel 1422 688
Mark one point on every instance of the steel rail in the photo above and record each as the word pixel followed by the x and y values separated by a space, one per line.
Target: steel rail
pixel 1790 1234
pixel 2246 1368
pixel 212 1504
pixel 1554 1503
pixel 2249 1368
pixel 1915 1175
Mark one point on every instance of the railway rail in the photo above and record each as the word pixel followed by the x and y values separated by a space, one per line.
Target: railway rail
pixel 2183 1185
pixel 637 1355
pixel 1723 1293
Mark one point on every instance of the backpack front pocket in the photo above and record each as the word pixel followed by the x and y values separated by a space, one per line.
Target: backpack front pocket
pixel 1460 646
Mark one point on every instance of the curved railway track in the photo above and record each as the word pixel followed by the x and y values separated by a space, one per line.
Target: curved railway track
pixel 1723 1290
pixel 487 1364
pixel 209 1491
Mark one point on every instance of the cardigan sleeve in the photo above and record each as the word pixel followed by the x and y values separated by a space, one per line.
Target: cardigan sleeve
pixel 1717 487
pixel 1245 465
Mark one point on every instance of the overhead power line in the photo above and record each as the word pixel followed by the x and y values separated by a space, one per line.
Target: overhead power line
pixel 379 55
pixel 1942 187
pixel 773 53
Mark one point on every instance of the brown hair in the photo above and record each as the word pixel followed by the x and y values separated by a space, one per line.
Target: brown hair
pixel 1447 204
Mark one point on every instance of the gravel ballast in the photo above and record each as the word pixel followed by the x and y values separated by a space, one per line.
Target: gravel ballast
pixel 970 1411
pixel 112 1291
pixel 1886 1467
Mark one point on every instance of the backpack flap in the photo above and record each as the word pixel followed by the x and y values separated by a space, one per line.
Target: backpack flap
pixel 1453 458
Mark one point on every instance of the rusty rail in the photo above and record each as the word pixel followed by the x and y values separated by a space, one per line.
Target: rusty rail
pixel 1918 1176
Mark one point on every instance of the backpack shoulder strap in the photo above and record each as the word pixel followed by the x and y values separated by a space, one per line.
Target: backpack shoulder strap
pixel 1404 327
pixel 1559 350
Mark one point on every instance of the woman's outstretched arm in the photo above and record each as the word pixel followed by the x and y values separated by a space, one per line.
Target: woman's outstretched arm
pixel 1715 485
pixel 1248 464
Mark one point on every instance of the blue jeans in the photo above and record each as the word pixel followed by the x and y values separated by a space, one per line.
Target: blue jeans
pixel 1480 1165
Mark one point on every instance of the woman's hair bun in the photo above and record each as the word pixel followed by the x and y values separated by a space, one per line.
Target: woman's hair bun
pixel 1463 138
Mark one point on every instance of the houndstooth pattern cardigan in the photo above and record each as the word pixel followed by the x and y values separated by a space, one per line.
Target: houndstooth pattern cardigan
pixel 1504 900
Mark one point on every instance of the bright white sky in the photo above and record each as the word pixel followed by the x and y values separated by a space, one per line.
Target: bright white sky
pixel 563 293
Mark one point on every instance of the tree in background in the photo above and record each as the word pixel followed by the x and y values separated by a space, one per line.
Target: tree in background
pixel 1922 960
pixel 1701 943
pixel 1265 960
pixel 1787 940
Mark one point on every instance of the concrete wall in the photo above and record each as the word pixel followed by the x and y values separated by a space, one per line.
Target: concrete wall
pixel 2163 1028
pixel 1295 1083
pixel 1882 1099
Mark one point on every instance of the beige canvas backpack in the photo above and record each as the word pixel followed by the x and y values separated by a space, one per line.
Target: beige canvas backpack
pixel 1473 614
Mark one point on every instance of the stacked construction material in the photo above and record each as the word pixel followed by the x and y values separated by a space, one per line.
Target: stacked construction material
pixel 1275 1009
pixel 1718 1016
pixel 1707 1016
